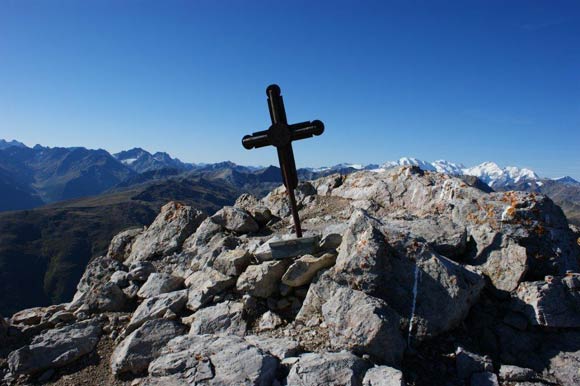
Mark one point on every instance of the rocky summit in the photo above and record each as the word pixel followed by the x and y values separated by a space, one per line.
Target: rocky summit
pixel 413 278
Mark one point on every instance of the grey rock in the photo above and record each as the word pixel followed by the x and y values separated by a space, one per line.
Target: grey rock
pixel 262 280
pixel 303 270
pixel 131 291
pixel 232 263
pixel 330 241
pixel 156 307
pixel 321 289
pixel 364 324
pixel 28 317
pixel 269 321
pixel 468 363
pixel 108 298
pixel 294 247
pixel 336 369
pixel 160 283
pixel 516 374
pixel 143 345
pixel 120 278
pixel 225 318
pixel 140 271
pixel 235 220
pixel 484 379
pixel 383 376
pixel 565 367
pixel 61 317
pixel 279 347
pixel 215 360
pixel 551 303
pixel 120 246
pixel 167 233
pixel 204 285
pixel 55 348
pixel 97 274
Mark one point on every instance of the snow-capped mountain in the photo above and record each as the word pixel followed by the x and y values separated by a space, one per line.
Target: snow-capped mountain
pixel 142 161
pixel 489 172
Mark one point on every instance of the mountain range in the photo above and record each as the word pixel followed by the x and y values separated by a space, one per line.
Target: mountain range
pixel 59 207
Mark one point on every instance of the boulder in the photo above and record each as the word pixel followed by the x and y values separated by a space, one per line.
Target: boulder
pixel 303 270
pixel 204 285
pixel 333 369
pixel 232 262
pixel 28 317
pixel 156 307
pixel 279 347
pixel 106 298
pixel 363 324
pixel 262 280
pixel 225 318
pixel 137 350
pixel 383 376
pixel 120 278
pixel 509 373
pixel 120 246
pixel 160 283
pixel 215 360
pixel 55 348
pixel 167 233
pixel 565 367
pixel 554 302
pixel 97 274
pixel 235 220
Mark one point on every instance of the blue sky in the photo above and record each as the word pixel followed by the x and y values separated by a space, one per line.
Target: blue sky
pixel 466 81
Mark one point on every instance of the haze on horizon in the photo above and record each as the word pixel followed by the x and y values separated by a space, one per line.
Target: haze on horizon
pixel 463 81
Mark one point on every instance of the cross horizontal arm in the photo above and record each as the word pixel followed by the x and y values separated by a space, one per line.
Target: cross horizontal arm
pixel 256 140
pixel 304 130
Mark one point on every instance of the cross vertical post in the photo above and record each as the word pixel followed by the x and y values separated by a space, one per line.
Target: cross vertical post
pixel 280 134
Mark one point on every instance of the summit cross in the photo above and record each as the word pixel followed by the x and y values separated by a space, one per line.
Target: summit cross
pixel 280 134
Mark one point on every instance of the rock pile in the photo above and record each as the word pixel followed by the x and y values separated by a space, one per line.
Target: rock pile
pixel 410 277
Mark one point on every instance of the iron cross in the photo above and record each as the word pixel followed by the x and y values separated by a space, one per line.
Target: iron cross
pixel 280 134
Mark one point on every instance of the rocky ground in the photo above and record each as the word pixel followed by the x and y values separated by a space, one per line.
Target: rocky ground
pixel 404 277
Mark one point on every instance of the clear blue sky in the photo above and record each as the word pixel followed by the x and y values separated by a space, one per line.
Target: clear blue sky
pixel 466 81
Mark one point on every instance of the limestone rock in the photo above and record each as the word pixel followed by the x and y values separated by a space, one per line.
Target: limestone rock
pixel 383 376
pixel 269 321
pixel 363 324
pixel 160 283
pixel 205 284
pixel 120 246
pixel 235 220
pixel 279 347
pixel 143 345
pixel 262 280
pixel 120 278
pixel 97 274
pixel 167 233
pixel 55 348
pixel 303 270
pixel 108 298
pixel 225 318
pixel 552 303
pixel 156 307
pixel 232 263
pixel 334 369
pixel 215 360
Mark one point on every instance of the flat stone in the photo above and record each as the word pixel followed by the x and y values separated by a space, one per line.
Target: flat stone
pixel 262 280
pixel 279 347
pixel 225 318
pixel 295 247
pixel 156 307
pixel 143 345
pixel 334 369
pixel 204 285
pixel 303 270
pixel 55 348
pixel 160 283
pixel 383 376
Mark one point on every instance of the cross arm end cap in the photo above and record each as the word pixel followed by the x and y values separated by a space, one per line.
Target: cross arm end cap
pixel 273 89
